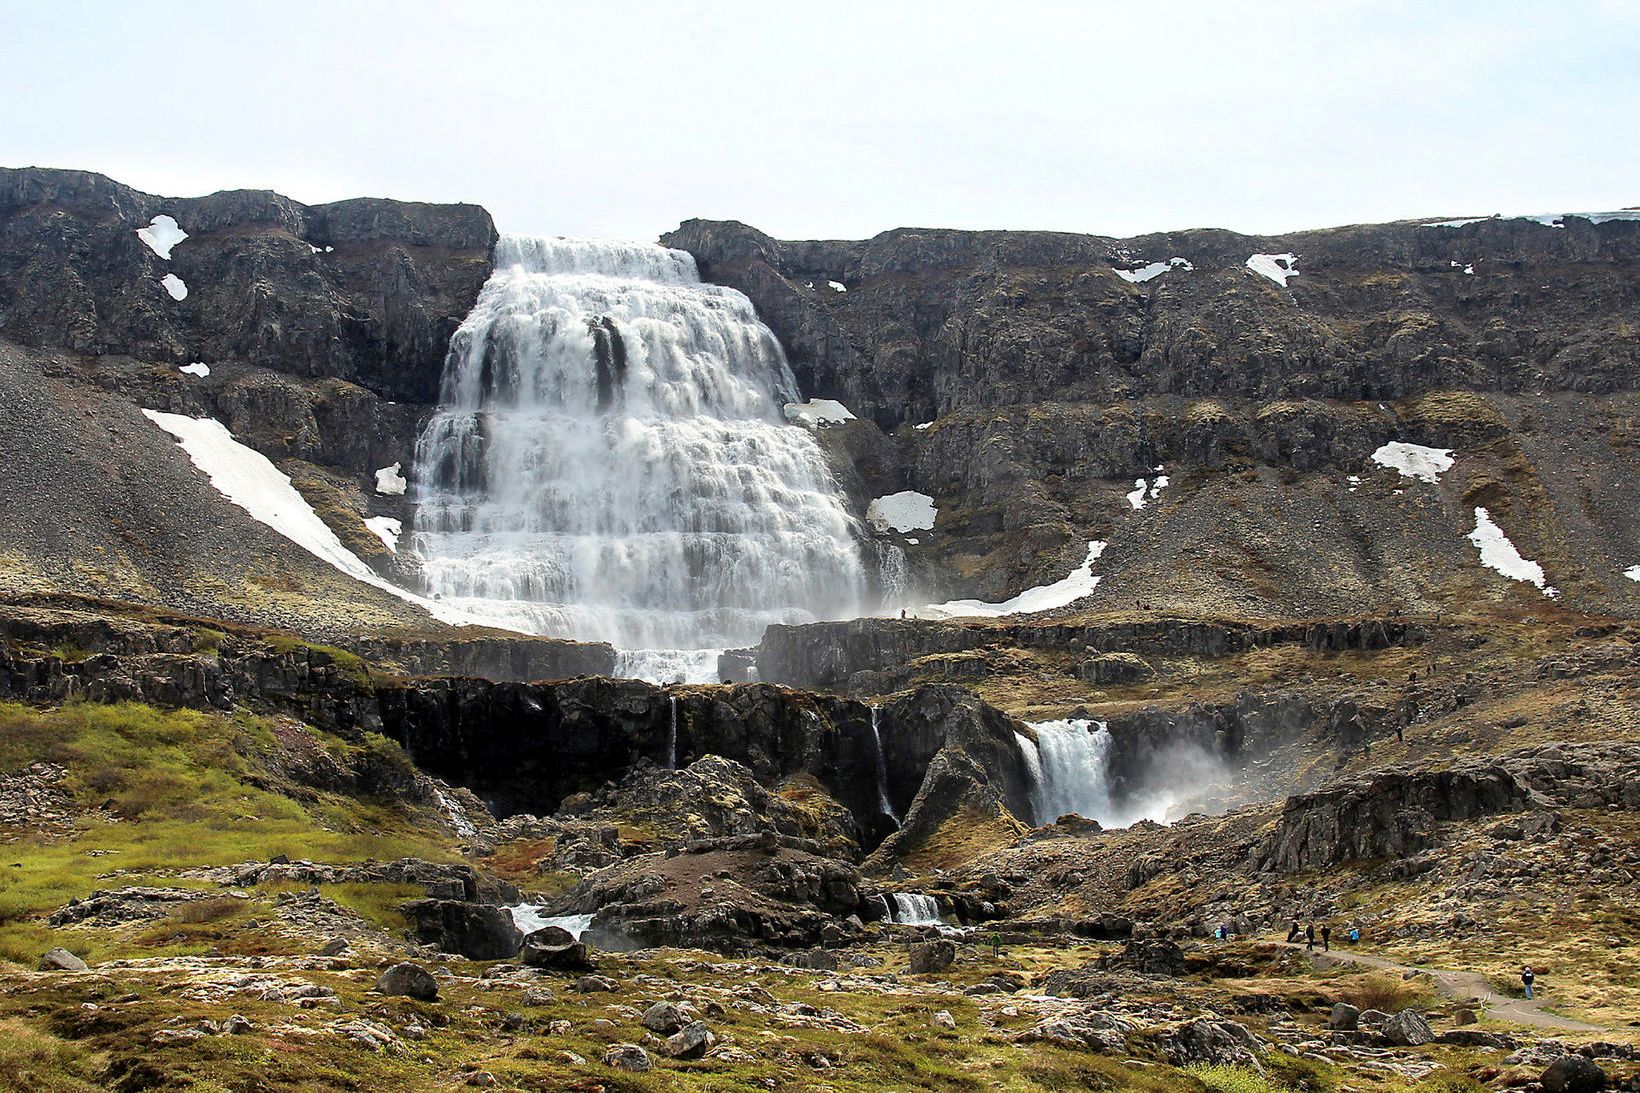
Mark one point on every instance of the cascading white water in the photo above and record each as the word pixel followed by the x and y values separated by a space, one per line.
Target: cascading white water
pixel 882 769
pixel 527 917
pixel 916 909
pixel 610 462
pixel 1067 764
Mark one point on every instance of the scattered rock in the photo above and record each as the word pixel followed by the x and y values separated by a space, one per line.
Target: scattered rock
pixel 690 1042
pixel 1408 1029
pixel 555 948
pixel 943 1019
pixel 664 1018
pixel 929 957
pixel 1573 1074
pixel 1344 1018
pixel 627 1057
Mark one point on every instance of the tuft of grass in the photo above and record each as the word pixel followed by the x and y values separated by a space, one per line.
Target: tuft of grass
pixel 35 1060
pixel 1224 1078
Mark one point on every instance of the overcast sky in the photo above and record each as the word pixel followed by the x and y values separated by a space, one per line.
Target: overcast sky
pixel 842 119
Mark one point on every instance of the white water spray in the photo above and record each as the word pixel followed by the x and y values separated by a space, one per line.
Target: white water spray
pixel 916 909
pixel 610 462
pixel 1069 767
pixel 882 770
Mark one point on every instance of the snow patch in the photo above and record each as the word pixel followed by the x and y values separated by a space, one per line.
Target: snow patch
pixel 1277 267
pixel 390 482
pixel 1498 553
pixel 1079 583
pixel 1548 220
pixel 387 530
pixel 198 368
pixel 924 425
pixel 161 235
pixel 903 511
pixel 1414 460
pixel 817 413
pixel 246 477
pixel 837 286
pixel 1632 573
pixel 1144 492
pixel 175 286
pixel 1153 270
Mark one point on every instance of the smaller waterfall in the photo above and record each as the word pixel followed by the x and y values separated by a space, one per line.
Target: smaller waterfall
pixel 1068 764
pixel 888 912
pixel 528 918
pixel 916 909
pixel 882 770
pixel 668 665
pixel 672 734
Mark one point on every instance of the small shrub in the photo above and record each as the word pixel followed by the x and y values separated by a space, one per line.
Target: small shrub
pixel 1380 992
pixel 1223 1078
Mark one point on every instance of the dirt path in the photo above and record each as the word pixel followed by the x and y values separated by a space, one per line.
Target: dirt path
pixel 1463 986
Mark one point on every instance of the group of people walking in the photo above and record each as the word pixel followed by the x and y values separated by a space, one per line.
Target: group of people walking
pixel 1310 934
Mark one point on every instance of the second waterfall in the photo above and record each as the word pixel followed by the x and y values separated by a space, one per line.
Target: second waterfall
pixel 610 460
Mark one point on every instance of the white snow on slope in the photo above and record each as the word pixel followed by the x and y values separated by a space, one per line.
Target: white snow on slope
pixel 1153 270
pixel 923 425
pixel 161 235
pixel 1079 583
pixel 387 530
pixel 390 482
pixel 818 412
pixel 248 479
pixel 903 511
pixel 1414 460
pixel 175 286
pixel 1144 492
pixel 1632 573
pixel 1277 267
pixel 837 286
pixel 198 368
pixel 1498 553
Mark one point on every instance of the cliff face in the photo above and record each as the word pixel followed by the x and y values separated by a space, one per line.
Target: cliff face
pixel 365 290
pixel 936 321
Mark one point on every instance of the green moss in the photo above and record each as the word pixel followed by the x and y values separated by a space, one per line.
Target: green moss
pixel 351 664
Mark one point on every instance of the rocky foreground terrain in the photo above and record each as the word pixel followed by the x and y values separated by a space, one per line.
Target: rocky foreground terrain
pixel 265 826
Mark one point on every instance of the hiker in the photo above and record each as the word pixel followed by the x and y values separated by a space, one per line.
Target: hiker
pixel 1526 978
pixel 1355 934
pixel 1292 935
pixel 1400 732
pixel 1309 936
pixel 1218 933
pixel 1326 939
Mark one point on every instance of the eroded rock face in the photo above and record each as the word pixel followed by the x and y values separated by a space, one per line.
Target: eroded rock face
pixel 935 321
pixel 365 290
pixel 477 931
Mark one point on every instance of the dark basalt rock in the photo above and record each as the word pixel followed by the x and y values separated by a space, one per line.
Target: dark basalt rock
pixel 409 980
pixel 556 949
pixel 477 931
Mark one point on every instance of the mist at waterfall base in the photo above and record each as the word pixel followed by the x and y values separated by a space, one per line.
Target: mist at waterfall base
pixel 1069 767
pixel 610 462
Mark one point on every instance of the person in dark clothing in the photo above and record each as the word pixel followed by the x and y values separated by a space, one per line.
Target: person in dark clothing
pixel 1292 935
pixel 1309 936
pixel 1527 978
pixel 1326 939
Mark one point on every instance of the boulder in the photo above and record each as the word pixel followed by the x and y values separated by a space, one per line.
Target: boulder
pixel 664 1018
pixel 556 949
pixel 477 931
pixel 929 957
pixel 690 1042
pixel 627 1057
pixel 1344 1018
pixel 61 960
pixel 409 980
pixel 1211 1042
pixel 1408 1029
pixel 1573 1074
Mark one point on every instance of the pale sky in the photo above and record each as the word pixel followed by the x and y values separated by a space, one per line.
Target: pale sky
pixel 841 119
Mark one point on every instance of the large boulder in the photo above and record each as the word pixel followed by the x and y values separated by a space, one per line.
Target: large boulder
pixel 1211 1042
pixel 690 1042
pixel 409 980
pixel 1344 1017
pixel 477 931
pixel 928 957
pixel 61 960
pixel 556 949
pixel 1408 1029
pixel 1573 1074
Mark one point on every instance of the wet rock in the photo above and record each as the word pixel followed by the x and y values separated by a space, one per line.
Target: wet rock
pixel 61 960
pixel 409 980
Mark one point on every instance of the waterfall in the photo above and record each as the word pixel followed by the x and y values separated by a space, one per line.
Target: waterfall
pixel 916 909
pixel 882 770
pixel 610 462
pixel 1068 767
pixel 672 734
